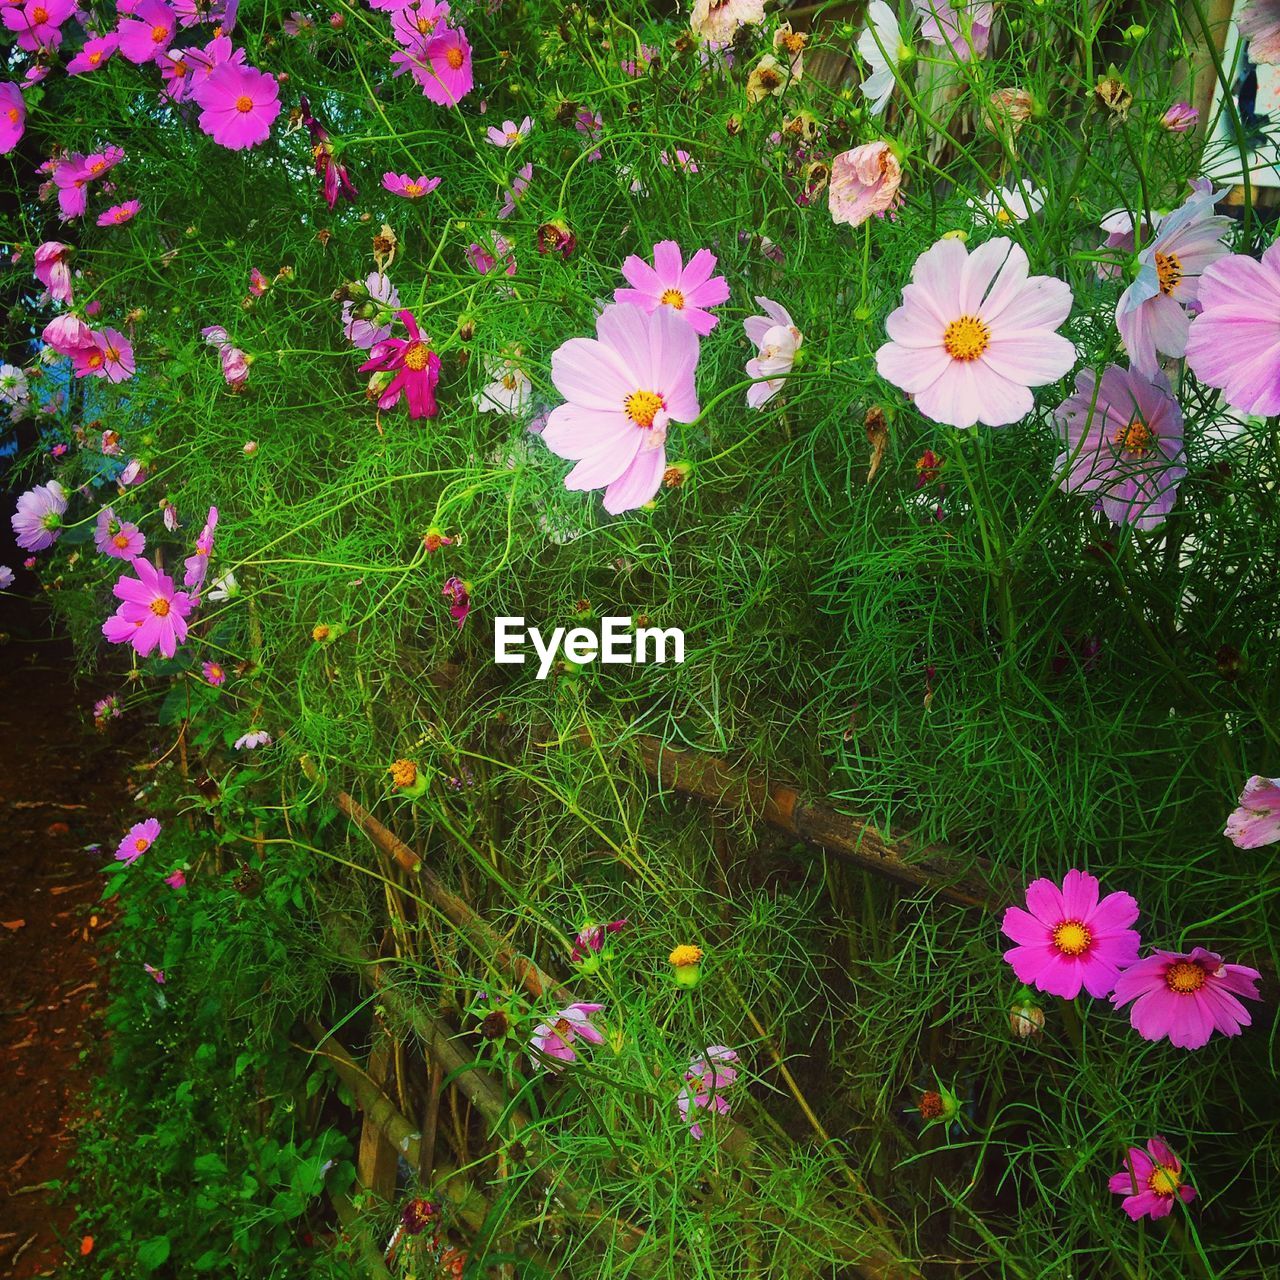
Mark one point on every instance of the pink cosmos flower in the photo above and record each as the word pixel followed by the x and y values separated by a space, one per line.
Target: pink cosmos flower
pixel 400 184
pixel 67 334
pixel 252 740
pixel 38 22
pixel 365 330
pixel 72 183
pixel 670 284
pixel 1257 821
pixel 176 879
pixel 1151 314
pixel 151 614
pixel 519 185
pixel 623 388
pixel 37 521
pixel 238 105
pixel 157 975
pixel 118 538
pixel 777 340
pixel 963 30
pixel 299 24
pixel 334 179
pixel 222 13
pixel 1182 117
pixel 94 54
pixel 678 159
pixel 511 134
pixel 105 709
pixel 110 356
pixel 441 65
pixel 53 269
pixel 864 182
pixel 415 370
pixel 1234 342
pixel 197 565
pixel 706 1080
pixel 484 259
pixel 975 333
pixel 134 473
pixel 148 33
pixel 177 71
pixel 6 577
pixel 552 1042
pixel 99 163
pixel 119 213
pixel 590 939
pixel 137 840
pixel 235 363
pixel 637 66
pixel 1119 228
pixel 214 673
pixel 258 283
pixel 1186 997
pixel 414 24
pixel 13 117
pixel 1068 939
pixel 1122 440
pixel 1151 1181
pixel 459 596
pixel 1259 23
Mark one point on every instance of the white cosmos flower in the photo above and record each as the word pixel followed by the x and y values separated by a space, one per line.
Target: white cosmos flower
pixel 1008 204
pixel 510 390
pixel 881 46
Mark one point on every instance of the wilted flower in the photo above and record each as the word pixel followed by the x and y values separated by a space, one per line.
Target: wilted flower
pixel 418 1215
pixel 1068 939
pixel 1113 95
pixel 1186 997
pixel 768 79
pixel 458 593
pixel 1026 1018
pixel 1257 821
pixel 1006 111
pixel 1182 117
pixel 1259 23
pixel 589 944
pixel 777 340
pixel 720 19
pixel 53 269
pixel 1151 1181
pixel 864 182
pixel 252 740
pixel 556 237
pixel 105 709
pixel 553 1041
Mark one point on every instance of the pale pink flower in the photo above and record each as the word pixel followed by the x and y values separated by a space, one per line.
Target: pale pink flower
pixel 369 322
pixel 1152 312
pixel 553 1040
pixel 252 740
pixel 1259 23
pixel 777 339
pixel 1182 117
pixel 53 269
pixel 963 30
pixel 519 185
pixel 196 566
pixel 677 159
pixel 623 388
pixel 975 332
pixel 37 520
pixel 511 134
pixel 706 1080
pixel 864 182
pixel 1257 821
pixel 1234 343
pixel 671 285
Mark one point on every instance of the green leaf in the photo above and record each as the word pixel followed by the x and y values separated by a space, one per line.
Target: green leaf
pixel 153 1253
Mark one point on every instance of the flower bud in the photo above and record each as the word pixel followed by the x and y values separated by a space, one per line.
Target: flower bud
pixel 686 963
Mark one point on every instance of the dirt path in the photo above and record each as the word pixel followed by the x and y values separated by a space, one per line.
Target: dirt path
pixel 60 789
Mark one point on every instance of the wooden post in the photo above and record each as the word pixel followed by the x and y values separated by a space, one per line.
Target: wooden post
pixel 376 1161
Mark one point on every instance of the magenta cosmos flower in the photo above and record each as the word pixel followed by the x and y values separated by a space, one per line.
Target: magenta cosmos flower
pixel 1186 997
pixel 94 54
pixel 148 32
pixel 214 673
pixel 441 65
pixel 38 22
pixel 458 594
pixel 117 538
pixel 623 388
pixel 400 184
pixel 1150 1181
pixel 1259 23
pixel 414 367
pixel 1151 314
pixel 1068 939
pixel 1234 342
pixel 53 269
pixel 413 24
pixel 705 1082
pixel 238 105
pixel 151 614
pixel 137 840
pixel 590 940
pixel 864 182
pixel 1122 441
pixel 1257 821
pixel 119 213
pixel 777 340
pixel 975 332
pixel 669 283
pixel 13 117
pixel 109 355
pixel 197 566
pixel 37 523
pixel 552 1042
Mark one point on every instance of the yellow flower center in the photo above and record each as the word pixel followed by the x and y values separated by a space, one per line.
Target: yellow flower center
pixel 159 33
pixel 413 188
pixel 121 540
pixel 685 955
pixel 244 103
pixel 160 607
pixel 95 57
pixel 425 25
pixel 1164 1181
pixel 1169 269
pixel 513 135
pixel 1072 938
pixel 404 773
pixel 454 57
pixel 563 1027
pixel 94 359
pixel 140 844
pixel 672 298
pixel 215 671
pixel 509 381
pixel 39 16
pixel 642 407
pixel 1136 438
pixel 1184 977
pixel 416 356
pixel 966 338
